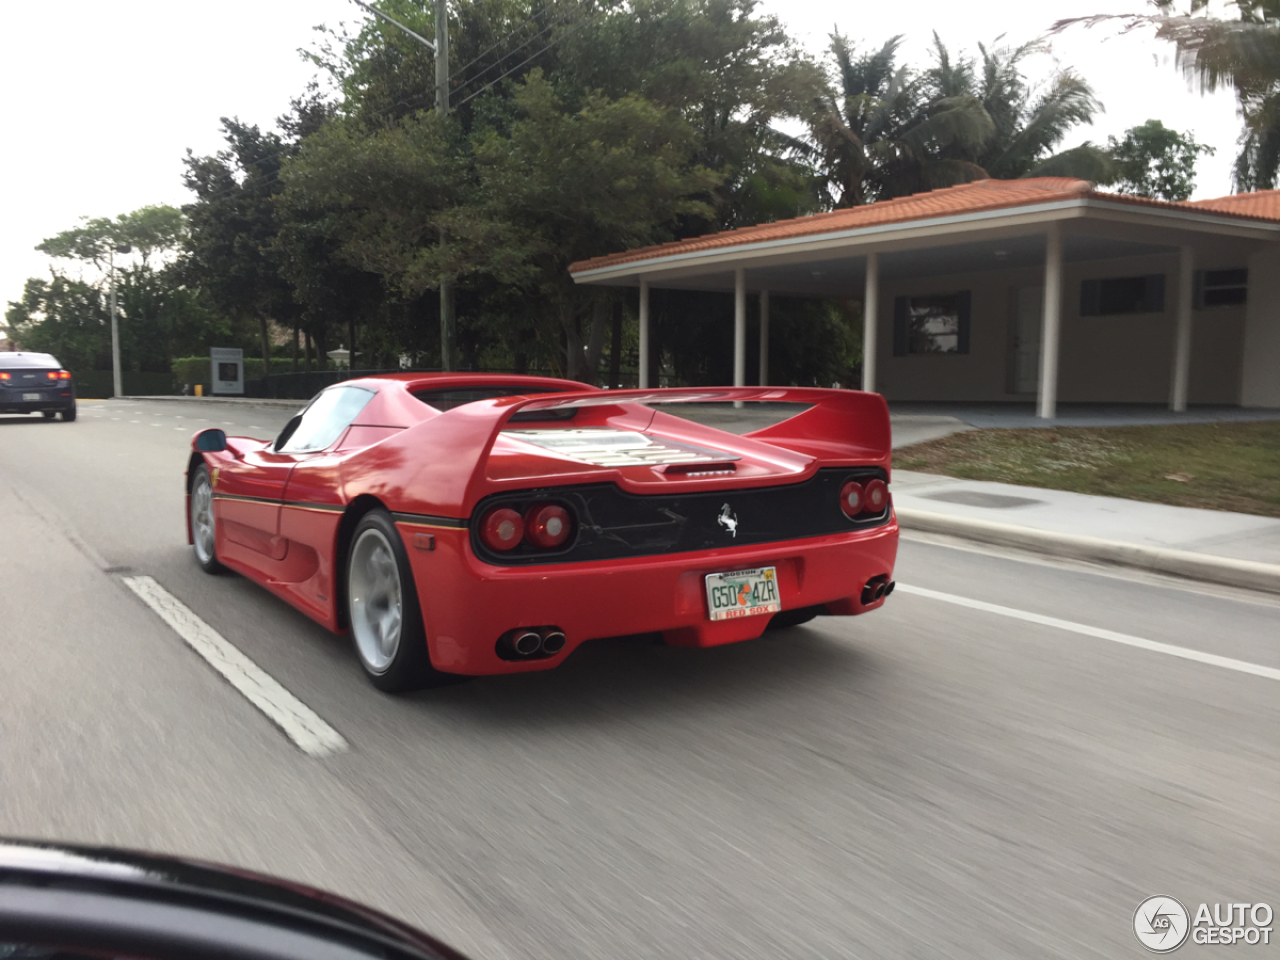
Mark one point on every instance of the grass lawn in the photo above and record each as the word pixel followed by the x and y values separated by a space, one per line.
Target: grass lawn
pixel 1216 466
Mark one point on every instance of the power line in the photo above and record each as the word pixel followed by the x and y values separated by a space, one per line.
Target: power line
pixel 550 25
pixel 484 53
pixel 567 33
pixel 418 101
pixel 274 176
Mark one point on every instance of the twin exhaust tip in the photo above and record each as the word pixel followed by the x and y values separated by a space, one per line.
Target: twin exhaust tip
pixel 877 588
pixel 529 643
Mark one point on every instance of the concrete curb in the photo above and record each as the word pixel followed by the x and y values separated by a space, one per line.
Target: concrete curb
pixel 242 401
pixel 1248 574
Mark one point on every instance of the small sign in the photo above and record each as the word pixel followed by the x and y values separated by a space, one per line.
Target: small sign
pixel 228 370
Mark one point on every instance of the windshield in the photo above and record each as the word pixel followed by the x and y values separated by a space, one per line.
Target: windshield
pixel 325 419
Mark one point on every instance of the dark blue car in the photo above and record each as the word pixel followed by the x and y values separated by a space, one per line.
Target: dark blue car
pixel 36 383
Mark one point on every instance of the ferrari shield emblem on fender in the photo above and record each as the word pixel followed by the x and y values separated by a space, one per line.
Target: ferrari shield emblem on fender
pixel 729 520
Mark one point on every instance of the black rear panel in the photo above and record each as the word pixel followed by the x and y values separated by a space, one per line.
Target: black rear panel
pixel 611 524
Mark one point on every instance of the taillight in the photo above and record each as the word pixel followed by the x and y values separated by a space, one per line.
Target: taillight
pixel 851 498
pixel 547 525
pixel 875 496
pixel 64 375
pixel 502 529
pixel 4 376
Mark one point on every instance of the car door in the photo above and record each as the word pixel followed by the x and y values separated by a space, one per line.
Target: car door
pixel 248 491
pixel 251 489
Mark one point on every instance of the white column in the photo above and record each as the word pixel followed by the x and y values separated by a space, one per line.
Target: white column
pixel 870 311
pixel 739 327
pixel 1050 326
pixel 1182 336
pixel 644 335
pixel 764 337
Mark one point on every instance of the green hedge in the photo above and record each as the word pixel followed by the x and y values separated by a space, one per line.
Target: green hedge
pixel 195 370
pixel 97 384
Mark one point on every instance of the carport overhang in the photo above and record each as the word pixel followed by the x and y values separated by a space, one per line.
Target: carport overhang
pixel 850 263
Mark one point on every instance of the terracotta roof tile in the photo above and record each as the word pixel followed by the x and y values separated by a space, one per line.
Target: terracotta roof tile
pixel 1264 204
pixel 976 197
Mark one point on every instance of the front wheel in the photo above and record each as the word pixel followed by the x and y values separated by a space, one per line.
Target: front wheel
pixel 382 605
pixel 202 523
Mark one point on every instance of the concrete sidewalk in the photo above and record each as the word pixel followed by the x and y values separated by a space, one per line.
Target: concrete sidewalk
pixel 1231 548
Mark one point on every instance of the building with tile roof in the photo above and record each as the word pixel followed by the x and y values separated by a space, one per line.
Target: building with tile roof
pixel 1041 288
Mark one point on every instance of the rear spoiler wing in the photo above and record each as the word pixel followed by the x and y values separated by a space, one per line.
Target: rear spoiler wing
pixel 847 426
pixel 838 424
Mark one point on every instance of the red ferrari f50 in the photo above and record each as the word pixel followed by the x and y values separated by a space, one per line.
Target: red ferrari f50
pixel 472 524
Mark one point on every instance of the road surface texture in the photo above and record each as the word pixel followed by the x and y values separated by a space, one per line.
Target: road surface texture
pixel 933 779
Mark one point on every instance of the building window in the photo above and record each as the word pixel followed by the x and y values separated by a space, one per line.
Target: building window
pixel 932 324
pixel 1221 288
pixel 1113 295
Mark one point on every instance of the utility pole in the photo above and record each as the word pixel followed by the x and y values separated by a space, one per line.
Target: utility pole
pixel 116 379
pixel 441 49
pixel 447 322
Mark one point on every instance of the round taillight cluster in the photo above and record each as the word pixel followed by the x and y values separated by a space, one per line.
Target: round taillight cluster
pixel 544 526
pixel 547 525
pixel 859 499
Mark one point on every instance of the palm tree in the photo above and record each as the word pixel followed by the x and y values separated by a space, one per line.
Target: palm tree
pixel 881 131
pixel 1242 54
pixel 1029 122
pixel 876 134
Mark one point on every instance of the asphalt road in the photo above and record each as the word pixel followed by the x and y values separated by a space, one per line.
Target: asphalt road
pixel 928 780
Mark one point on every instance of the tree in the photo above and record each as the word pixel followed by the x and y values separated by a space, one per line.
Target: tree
pixel 1028 122
pixel 1241 54
pixel 881 130
pixel 65 317
pixel 160 316
pixel 876 134
pixel 234 224
pixel 563 185
pixel 1154 161
pixel 148 230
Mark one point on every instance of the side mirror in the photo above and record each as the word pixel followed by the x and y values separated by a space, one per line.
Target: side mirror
pixel 287 432
pixel 212 440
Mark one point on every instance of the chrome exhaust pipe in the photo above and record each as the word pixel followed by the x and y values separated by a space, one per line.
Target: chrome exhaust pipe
pixel 553 641
pixel 888 587
pixel 877 588
pixel 526 643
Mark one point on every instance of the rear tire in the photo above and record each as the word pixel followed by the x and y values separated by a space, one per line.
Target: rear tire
pixel 383 610
pixel 204 529
pixel 69 414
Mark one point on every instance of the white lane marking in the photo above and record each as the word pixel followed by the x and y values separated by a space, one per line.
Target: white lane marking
pixel 254 426
pixel 302 724
pixel 1155 646
pixel 179 428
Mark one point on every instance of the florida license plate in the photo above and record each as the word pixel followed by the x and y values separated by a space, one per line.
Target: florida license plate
pixel 742 593
pixel 33 396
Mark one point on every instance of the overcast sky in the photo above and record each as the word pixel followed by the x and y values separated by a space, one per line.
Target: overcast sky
pixel 101 100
